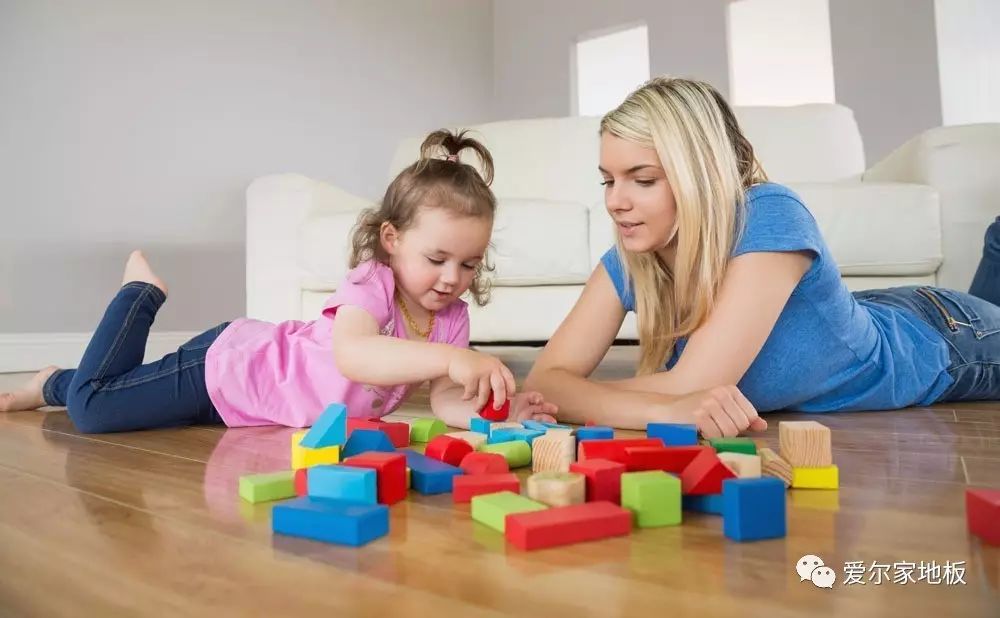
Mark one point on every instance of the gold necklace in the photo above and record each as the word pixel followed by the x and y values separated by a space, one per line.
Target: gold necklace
pixel 409 319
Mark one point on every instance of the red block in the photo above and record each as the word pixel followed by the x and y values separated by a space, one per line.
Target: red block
pixel 390 469
pixel 982 510
pixel 300 481
pixel 705 473
pixel 495 415
pixel 604 478
pixel 399 433
pixel 484 463
pixel 567 524
pixel 669 459
pixel 612 449
pixel 448 449
pixel 464 487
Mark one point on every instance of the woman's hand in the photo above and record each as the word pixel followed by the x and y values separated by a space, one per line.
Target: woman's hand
pixel 479 373
pixel 718 412
pixel 532 406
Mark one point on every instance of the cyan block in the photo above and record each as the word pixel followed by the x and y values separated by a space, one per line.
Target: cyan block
pixel 331 521
pixel 365 440
pixel 753 509
pixel 429 476
pixel 534 426
pixel 329 429
pixel 480 425
pixel 509 434
pixel 595 432
pixel 673 434
pixel 345 483
pixel 708 503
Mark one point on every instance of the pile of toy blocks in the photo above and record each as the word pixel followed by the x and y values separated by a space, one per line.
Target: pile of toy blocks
pixel 585 483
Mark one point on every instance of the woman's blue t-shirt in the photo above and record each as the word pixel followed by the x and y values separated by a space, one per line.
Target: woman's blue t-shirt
pixel 827 351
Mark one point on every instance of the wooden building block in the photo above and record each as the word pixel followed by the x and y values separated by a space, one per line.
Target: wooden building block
pixel 484 463
pixel 329 429
pixel 982 512
pixel 771 464
pixel 399 433
pixel 517 453
pixel 466 487
pixel 365 441
pixel 425 429
pixel 734 445
pixel 827 477
pixel 489 413
pixel 474 438
pixel 509 434
pixel 390 471
pixel 331 521
pixel 567 524
pixel 493 509
pixel 743 466
pixel 301 486
pixel 673 434
pixel 553 451
pixel 268 486
pixel 753 509
pixel 305 457
pixel 604 478
pixel 805 444
pixel 596 432
pixel 557 488
pixel 611 449
pixel 653 496
pixel 480 425
pixel 345 483
pixel 667 458
pixel 447 449
pixel 705 473
pixel 429 476
pixel 707 503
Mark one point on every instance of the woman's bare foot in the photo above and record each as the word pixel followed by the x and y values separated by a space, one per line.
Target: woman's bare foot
pixel 138 269
pixel 29 396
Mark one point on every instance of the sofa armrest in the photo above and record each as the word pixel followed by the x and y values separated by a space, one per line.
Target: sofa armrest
pixel 276 207
pixel 961 163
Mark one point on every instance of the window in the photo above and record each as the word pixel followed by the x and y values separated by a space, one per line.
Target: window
pixel 607 68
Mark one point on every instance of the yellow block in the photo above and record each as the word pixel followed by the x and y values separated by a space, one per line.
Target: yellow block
pixel 826 477
pixel 305 457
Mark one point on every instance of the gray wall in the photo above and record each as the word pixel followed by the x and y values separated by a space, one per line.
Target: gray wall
pixel 533 38
pixel 885 68
pixel 130 123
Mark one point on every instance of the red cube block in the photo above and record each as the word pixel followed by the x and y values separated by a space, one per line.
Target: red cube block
pixel 390 469
pixel 301 484
pixel 465 487
pixel 448 449
pixel 484 463
pixel 567 524
pixel 604 478
pixel 669 458
pixel 495 415
pixel 612 449
pixel 982 511
pixel 705 473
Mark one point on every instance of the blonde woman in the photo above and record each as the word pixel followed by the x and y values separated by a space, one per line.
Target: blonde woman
pixel 740 305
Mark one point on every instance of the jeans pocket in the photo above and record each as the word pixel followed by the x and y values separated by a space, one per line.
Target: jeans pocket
pixel 980 317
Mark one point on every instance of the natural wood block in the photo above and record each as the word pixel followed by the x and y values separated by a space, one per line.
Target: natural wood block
pixel 805 444
pixel 771 464
pixel 474 438
pixel 553 451
pixel 557 488
pixel 743 466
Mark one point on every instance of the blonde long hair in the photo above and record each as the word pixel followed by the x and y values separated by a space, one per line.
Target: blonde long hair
pixel 709 165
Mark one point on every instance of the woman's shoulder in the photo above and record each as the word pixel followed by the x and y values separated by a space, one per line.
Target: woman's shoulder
pixel 770 192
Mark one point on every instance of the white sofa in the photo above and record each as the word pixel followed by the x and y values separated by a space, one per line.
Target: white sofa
pixel 917 217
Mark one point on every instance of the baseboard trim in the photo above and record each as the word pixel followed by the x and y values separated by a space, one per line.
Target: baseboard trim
pixel 32 351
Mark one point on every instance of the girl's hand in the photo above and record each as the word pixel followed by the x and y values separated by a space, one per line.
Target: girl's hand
pixel 480 373
pixel 532 406
pixel 722 411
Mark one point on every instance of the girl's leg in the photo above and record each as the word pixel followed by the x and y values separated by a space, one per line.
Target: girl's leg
pixel 986 282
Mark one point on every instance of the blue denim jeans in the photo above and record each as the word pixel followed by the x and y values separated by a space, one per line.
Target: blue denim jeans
pixel 112 390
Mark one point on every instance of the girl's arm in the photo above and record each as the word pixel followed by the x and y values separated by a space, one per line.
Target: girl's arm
pixel 448 404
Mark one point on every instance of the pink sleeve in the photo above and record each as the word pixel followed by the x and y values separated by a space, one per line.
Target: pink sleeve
pixel 369 286
pixel 458 334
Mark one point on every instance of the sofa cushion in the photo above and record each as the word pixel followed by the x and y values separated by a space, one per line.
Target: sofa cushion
pixel 325 245
pixel 540 242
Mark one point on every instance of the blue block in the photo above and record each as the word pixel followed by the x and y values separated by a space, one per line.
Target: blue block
pixel 753 509
pixel 556 426
pixel 709 503
pixel 429 476
pixel 480 425
pixel 331 521
pixel 595 433
pixel 673 434
pixel 365 440
pixel 344 483
pixel 534 425
pixel 509 434
pixel 329 429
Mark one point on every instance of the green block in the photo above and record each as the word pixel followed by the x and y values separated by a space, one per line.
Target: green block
pixel 653 496
pixel 426 429
pixel 267 487
pixel 516 452
pixel 492 509
pixel 734 445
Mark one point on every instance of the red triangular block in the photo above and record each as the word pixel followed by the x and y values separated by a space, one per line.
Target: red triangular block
pixel 705 473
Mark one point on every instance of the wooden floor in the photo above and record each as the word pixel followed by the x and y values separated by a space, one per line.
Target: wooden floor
pixel 150 523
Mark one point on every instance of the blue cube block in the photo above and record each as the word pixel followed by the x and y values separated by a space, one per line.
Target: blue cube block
pixel 556 426
pixel 509 434
pixel 595 432
pixel 480 425
pixel 345 483
pixel 673 434
pixel 331 521
pixel 365 440
pixel 534 426
pixel 329 429
pixel 708 503
pixel 429 476
pixel 753 509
